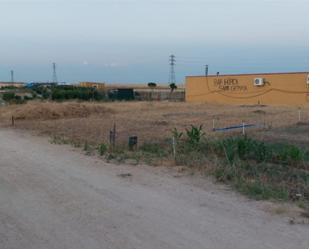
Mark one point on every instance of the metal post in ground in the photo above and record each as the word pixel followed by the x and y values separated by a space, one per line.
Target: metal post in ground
pixel 243 128
pixel 111 138
pixel 114 135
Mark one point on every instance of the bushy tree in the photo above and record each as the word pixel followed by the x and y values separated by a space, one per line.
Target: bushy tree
pixel 173 87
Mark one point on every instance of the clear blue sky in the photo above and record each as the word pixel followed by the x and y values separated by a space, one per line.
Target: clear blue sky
pixel 130 40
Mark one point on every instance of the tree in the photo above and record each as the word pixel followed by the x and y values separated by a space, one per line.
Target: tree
pixel 173 87
pixel 152 86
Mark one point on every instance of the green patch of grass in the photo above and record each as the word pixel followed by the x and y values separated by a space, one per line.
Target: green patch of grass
pixel 303 204
pixel 261 191
pixel 156 149
pixel 246 148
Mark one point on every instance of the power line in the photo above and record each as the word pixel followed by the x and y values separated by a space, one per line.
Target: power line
pixel 172 76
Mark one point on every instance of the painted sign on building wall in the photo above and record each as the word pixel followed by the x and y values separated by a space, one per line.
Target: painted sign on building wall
pixel 230 84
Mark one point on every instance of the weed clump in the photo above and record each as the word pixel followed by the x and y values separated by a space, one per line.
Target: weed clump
pixel 102 149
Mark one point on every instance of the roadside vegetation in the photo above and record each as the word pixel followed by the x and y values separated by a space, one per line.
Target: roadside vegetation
pixel 258 169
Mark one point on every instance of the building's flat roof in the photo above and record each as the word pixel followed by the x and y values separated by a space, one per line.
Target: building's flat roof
pixel 247 74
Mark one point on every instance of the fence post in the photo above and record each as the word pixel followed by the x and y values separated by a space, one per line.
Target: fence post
pixel 174 147
pixel 112 137
pixel 213 124
pixel 13 121
pixel 243 128
pixel 299 114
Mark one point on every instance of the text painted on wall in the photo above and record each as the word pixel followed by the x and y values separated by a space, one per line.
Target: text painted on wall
pixel 229 85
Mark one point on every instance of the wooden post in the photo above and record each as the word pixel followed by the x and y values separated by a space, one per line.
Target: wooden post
pixel 13 121
pixel 299 114
pixel 213 124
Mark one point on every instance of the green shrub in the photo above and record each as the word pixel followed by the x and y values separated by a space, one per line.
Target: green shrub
pixel 194 135
pixel 176 134
pixel 295 154
pixel 261 191
pixel 8 96
pixel 246 148
pixel 287 154
pixel 102 149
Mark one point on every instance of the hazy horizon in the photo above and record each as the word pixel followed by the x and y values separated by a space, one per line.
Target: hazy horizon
pixel 131 40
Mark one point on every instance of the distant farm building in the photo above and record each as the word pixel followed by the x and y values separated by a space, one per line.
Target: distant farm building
pixel 11 84
pixel 267 88
pixel 145 93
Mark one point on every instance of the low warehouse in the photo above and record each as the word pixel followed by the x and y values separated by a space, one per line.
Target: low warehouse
pixel 97 85
pixel 267 88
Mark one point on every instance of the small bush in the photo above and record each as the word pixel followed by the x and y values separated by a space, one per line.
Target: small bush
pixel 260 191
pixel 194 135
pixel 102 149
pixel 8 96
pixel 246 148
pixel 176 134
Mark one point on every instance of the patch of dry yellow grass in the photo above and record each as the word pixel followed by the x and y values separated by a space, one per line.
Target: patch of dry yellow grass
pixel 52 110
pixel 148 120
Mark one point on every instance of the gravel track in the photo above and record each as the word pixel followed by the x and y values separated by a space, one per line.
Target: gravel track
pixel 52 196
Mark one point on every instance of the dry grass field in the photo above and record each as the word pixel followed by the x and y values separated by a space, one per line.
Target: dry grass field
pixel 274 169
pixel 151 121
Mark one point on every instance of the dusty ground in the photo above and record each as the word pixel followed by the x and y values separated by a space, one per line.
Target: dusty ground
pixel 54 197
pixel 148 120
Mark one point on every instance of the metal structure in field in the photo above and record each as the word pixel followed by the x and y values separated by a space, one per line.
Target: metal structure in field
pixel 12 76
pixel 55 78
pixel 172 76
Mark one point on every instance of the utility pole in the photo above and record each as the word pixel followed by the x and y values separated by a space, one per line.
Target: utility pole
pixel 172 76
pixel 55 80
pixel 12 76
pixel 206 70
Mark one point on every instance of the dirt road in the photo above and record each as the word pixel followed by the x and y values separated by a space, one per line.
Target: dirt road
pixel 54 197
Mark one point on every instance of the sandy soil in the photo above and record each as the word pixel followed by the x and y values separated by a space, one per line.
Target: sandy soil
pixel 54 197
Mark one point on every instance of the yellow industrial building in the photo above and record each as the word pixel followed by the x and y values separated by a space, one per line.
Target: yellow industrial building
pixel 242 89
pixel 100 86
